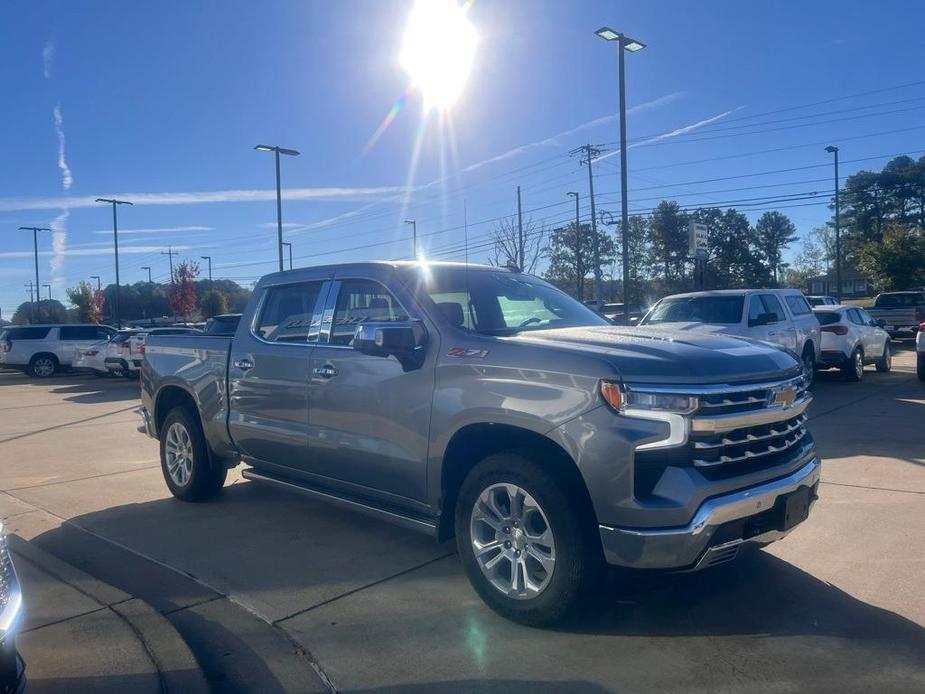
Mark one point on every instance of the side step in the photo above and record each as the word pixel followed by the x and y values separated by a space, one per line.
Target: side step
pixel 364 506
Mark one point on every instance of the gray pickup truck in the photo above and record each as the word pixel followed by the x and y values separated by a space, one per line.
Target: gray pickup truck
pixel 487 405
pixel 899 313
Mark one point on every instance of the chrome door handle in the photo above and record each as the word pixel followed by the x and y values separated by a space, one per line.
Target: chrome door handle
pixel 244 364
pixel 326 371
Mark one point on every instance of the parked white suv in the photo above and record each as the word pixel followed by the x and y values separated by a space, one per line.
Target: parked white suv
pixel 851 339
pixel 779 316
pixel 41 350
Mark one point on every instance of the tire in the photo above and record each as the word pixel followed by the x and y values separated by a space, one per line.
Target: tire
pixel 130 375
pixel 885 362
pixel 920 366
pixel 562 530
pixel 185 462
pixel 809 365
pixel 854 369
pixel 43 365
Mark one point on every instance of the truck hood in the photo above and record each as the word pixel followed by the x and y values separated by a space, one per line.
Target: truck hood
pixel 660 355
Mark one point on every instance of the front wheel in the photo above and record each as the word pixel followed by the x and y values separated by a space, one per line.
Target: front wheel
pixel 527 545
pixel 185 463
pixel 885 362
pixel 809 366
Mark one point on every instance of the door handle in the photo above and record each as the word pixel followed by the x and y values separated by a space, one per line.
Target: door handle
pixel 326 371
pixel 244 364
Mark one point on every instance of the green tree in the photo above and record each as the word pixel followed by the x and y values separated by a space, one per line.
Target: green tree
pixel 898 261
pixel 774 232
pixel 84 299
pixel 669 237
pixel 570 257
pixel 48 311
pixel 213 303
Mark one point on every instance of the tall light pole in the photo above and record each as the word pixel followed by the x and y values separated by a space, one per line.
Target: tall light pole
pixel 208 258
pixel 579 266
pixel 632 45
pixel 279 198
pixel 288 244
pixel 35 245
pixel 414 238
pixel 48 287
pixel 831 149
pixel 148 268
pixel 99 287
pixel 115 241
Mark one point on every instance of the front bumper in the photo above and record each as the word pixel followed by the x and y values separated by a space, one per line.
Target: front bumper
pixel 720 527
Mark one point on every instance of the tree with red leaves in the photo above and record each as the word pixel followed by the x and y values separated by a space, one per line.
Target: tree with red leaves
pixel 183 290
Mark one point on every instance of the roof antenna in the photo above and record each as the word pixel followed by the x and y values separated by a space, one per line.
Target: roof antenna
pixel 466 246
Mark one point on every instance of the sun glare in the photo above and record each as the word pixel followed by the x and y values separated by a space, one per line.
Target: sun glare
pixel 438 50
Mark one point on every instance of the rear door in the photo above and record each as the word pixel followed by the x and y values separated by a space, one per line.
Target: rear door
pixel 268 374
pixel 369 417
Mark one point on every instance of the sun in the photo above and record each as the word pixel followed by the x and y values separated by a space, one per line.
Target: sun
pixel 438 50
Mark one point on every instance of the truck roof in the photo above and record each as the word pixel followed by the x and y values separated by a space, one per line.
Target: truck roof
pixel 732 292
pixel 408 264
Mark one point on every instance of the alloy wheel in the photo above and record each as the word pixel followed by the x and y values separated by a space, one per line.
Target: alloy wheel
pixel 859 364
pixel 512 541
pixel 43 367
pixel 178 451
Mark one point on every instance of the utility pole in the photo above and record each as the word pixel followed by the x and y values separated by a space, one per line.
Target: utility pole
pixel 277 150
pixel 32 303
pixel 834 150
pixel 414 238
pixel 520 234
pixel 208 258
pixel 117 319
pixel 579 265
pixel 170 253
pixel 588 154
pixel 35 245
pixel 148 268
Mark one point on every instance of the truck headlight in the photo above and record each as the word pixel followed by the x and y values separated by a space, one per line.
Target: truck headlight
pixel 622 398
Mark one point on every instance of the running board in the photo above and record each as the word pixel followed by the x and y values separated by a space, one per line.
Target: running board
pixel 413 523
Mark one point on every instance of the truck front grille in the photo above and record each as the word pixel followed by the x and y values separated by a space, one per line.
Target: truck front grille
pixel 748 443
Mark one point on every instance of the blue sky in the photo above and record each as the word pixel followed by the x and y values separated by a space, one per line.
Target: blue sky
pixel 162 103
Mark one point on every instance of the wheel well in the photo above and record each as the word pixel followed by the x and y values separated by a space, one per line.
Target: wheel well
pixel 808 345
pixel 35 356
pixel 167 399
pixel 475 442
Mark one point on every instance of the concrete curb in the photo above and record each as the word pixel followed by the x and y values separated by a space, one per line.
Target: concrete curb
pixel 176 665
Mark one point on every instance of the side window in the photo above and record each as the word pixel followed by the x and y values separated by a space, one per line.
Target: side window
pixel 456 308
pixel 797 305
pixel 103 333
pixel 78 332
pixel 288 313
pixel 363 301
pixel 865 317
pixel 855 316
pixel 755 308
pixel 772 305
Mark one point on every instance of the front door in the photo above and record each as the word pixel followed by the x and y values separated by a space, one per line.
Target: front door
pixel 781 331
pixel 369 418
pixel 268 375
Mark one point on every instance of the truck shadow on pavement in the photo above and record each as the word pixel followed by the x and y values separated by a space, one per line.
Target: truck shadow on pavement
pixel 99 391
pixel 756 617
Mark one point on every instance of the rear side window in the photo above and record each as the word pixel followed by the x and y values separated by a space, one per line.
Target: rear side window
pixel 855 316
pixel 84 332
pixel 363 301
pixel 827 317
pixel 288 313
pixel 797 305
pixel 899 300
pixel 772 305
pixel 27 333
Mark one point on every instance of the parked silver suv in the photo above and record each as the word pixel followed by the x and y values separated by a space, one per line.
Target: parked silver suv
pixel 41 350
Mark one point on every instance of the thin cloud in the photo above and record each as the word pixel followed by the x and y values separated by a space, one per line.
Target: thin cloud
pixel 58 244
pixel 683 130
pixel 199 198
pixel 71 252
pixel 48 56
pixel 67 180
pixel 555 140
pixel 156 230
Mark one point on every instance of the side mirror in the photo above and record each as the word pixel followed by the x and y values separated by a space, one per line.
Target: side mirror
pixel 404 341
pixel 762 319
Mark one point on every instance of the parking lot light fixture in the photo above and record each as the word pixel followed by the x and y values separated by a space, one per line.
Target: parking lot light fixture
pixel 115 242
pixel 35 244
pixel 279 198
pixel 832 149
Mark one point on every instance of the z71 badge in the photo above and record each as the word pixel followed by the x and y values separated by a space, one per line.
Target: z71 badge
pixel 466 352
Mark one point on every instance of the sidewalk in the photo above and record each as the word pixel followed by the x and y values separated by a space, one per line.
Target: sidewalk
pixel 79 634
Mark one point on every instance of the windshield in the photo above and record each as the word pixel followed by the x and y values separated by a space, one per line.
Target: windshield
pixel 898 300
pixel 726 310
pixel 502 303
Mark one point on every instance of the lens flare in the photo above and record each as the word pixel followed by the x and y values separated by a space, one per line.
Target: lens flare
pixel 438 51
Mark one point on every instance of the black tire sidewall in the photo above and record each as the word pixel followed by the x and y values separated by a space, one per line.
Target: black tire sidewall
pixel 850 369
pixel 578 559
pixel 205 481
pixel 35 358
pixel 884 363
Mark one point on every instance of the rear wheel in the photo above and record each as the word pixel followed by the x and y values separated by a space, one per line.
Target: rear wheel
pixel 854 369
pixel 185 463
pixel 43 365
pixel 885 362
pixel 527 547
pixel 809 365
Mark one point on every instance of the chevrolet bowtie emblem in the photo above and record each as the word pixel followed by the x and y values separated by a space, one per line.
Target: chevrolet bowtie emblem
pixel 783 397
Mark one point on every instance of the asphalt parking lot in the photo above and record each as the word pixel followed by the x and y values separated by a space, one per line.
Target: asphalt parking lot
pixel 274 592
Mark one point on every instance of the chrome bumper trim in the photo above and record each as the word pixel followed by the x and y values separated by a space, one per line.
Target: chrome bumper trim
pixel 687 547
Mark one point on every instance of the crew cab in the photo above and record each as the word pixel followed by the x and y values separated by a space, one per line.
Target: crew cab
pixel 485 404
pixel 899 313
pixel 780 316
